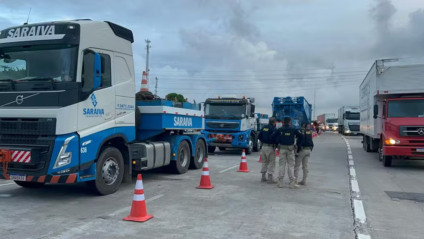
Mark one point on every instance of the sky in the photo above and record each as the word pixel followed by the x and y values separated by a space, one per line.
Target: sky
pixel 319 49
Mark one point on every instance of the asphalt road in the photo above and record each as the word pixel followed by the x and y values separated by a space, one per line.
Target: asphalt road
pixel 239 206
pixel 399 216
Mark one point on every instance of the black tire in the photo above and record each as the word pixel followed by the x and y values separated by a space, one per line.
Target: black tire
pixel 387 161
pixel 110 172
pixel 366 143
pixel 199 155
pixel 211 149
pixel 222 149
pixel 255 144
pixel 182 163
pixel 249 149
pixel 29 184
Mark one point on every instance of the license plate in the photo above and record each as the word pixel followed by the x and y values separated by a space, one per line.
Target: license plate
pixel 420 150
pixel 18 177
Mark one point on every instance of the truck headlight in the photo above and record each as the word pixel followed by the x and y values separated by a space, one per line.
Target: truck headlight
pixel 391 141
pixel 347 131
pixel 64 158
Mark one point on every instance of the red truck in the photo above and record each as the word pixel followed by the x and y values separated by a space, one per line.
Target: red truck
pixel 392 110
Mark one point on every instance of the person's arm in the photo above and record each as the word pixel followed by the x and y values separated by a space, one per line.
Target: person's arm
pixel 261 135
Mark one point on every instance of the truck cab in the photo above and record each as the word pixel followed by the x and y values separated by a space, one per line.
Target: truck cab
pixel 331 124
pixel 349 120
pixel 402 122
pixel 230 122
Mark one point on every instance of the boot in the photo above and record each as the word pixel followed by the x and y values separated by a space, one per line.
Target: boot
pixel 280 183
pixel 270 179
pixel 303 182
pixel 263 179
pixel 293 185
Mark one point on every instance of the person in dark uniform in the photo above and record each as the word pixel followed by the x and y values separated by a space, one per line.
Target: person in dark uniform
pixel 286 138
pixel 268 150
pixel 305 146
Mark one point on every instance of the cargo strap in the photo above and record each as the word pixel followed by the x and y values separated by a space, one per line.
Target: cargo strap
pixel 5 158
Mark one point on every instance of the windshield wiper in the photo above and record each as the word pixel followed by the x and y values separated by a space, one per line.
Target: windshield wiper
pixel 38 83
pixel 6 84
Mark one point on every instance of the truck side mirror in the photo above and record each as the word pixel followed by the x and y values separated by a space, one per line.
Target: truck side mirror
pixel 375 111
pixel 91 75
pixel 252 112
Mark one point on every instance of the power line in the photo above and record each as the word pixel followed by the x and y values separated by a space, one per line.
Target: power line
pixel 253 90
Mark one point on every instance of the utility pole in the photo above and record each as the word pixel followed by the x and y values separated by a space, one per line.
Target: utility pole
pixel 156 86
pixel 315 107
pixel 147 58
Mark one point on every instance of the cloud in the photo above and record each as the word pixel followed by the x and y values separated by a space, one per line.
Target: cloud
pixel 397 42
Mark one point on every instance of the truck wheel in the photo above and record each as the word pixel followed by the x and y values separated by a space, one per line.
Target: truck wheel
pixel 366 144
pixel 222 149
pixel 255 144
pixel 199 155
pixel 387 161
pixel 29 184
pixel 211 149
pixel 181 164
pixel 110 172
pixel 249 149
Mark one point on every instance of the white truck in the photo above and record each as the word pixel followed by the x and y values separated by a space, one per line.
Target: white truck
pixel 348 120
pixel 392 110
pixel 69 112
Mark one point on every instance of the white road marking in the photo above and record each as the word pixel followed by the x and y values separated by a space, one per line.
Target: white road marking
pixel 359 211
pixel 358 207
pixel 228 169
pixel 1 185
pixel 352 172
pixel 354 185
pixel 362 236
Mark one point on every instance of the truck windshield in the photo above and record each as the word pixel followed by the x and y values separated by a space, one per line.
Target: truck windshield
pixel 352 116
pixel 225 111
pixel 405 108
pixel 32 63
pixel 331 120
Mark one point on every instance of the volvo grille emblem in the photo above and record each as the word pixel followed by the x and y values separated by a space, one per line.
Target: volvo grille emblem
pixel 420 131
pixel 19 99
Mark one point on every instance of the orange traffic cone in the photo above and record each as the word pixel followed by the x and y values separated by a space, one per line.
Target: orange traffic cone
pixel 138 209
pixel 277 154
pixel 205 180
pixel 260 158
pixel 243 163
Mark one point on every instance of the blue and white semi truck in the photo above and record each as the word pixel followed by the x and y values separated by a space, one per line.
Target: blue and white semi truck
pixel 230 122
pixel 69 114
pixel 297 108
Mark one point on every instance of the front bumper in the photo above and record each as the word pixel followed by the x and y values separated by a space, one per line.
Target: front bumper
pixel 406 151
pixel 227 140
pixel 68 178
